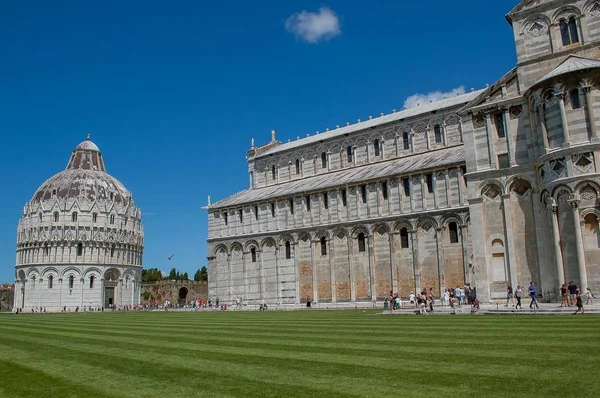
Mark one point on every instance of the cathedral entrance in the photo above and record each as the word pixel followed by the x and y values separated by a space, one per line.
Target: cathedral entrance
pixel 109 296
pixel 183 292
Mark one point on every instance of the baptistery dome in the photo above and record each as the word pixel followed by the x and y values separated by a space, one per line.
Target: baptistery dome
pixel 80 240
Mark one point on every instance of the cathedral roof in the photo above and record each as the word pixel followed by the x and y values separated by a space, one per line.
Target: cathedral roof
pixel 377 121
pixel 85 178
pixel 400 166
pixel 572 64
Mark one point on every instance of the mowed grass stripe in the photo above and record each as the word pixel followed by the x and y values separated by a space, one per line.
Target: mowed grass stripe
pixel 356 354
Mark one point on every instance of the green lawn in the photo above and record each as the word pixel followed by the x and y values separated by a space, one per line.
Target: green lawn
pixel 297 354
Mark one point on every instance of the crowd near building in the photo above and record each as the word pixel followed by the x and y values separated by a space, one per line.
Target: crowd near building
pixel 79 241
pixel 497 185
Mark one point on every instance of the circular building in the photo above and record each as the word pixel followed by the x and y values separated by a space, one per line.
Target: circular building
pixel 80 240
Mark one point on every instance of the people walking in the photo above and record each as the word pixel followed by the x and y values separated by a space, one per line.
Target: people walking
pixel 509 295
pixel 446 298
pixel 518 293
pixel 533 295
pixel 564 298
pixel 590 297
pixel 578 303
pixel 572 292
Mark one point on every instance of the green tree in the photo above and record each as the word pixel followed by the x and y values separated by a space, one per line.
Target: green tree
pixel 173 274
pixel 198 276
pixel 185 277
pixel 151 275
pixel 203 274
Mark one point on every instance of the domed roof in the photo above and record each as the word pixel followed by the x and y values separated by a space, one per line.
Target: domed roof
pixel 84 178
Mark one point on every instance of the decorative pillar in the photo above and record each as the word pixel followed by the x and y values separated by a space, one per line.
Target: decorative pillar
pixel 427 129
pixel 372 268
pixel 229 281
pixel 541 113
pixel 393 267
pixel 460 130
pixel 410 194
pixel 440 260
pixel 509 239
pixel 82 282
pixel 465 252
pixel 354 155
pixel 563 118
pixel 490 139
pixel 509 141
pixel 415 251
pixel 328 160
pixel 351 269
pixel 296 271
pixel 589 107
pixel 314 271
pixel 444 134
pixel 396 136
pixel 331 253
pixel 278 254
pixel 423 195
pixel 447 181
pixel 579 245
pixel 459 184
pixel 260 275
pixel 368 151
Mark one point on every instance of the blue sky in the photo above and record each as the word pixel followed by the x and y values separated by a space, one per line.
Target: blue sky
pixel 173 92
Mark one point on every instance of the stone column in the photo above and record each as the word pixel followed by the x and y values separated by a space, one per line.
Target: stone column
pixel 82 283
pixel 509 141
pixel 589 107
pixel 354 155
pixel 393 266
pixel 410 196
pixel 133 287
pixel 563 119
pixel 260 275
pixel 229 281
pixel 465 252
pixel 447 181
pixel 351 269
pixel 579 245
pixel 328 160
pixel 372 268
pixel 427 130
pixel 542 124
pixel 444 134
pixel 490 138
pixel 396 136
pixel 296 272
pixel 278 253
pixel 509 239
pixel 423 190
pixel 415 251
pixel 459 183
pixel 440 260
pixel 314 271
pixel 368 151
pixel 331 253
pixel 560 271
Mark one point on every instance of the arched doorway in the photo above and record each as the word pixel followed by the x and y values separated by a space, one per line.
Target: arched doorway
pixel 183 292
pixel 111 287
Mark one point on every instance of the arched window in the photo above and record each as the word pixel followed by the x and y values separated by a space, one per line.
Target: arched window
pixel 273 173
pixel 349 153
pixel 94 217
pixel 575 100
pixel 404 238
pixel 53 192
pixel 453 232
pixel 79 249
pixel 361 242
pixel 71 281
pixel 324 160
pixel 112 251
pixel 112 196
pixel 437 132
pixel 92 278
pixel 40 217
pixel 376 147
pixel 56 216
pixel 406 140
pixel 288 250
pixel 592 233
pixel 50 281
pixel 568 31
pixel 74 216
pixel 323 246
pixel 253 254
pixel 297 166
pixel 112 219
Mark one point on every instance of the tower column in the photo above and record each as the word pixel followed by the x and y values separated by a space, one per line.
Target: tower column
pixel 560 271
pixel 589 107
pixel 579 245
pixel 563 119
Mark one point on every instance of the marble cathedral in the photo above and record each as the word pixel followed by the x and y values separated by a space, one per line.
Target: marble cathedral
pixel 491 187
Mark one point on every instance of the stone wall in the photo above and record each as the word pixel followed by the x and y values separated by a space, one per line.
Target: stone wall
pixel 174 291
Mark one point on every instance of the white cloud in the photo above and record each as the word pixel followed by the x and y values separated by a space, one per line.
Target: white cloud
pixel 314 26
pixel 422 99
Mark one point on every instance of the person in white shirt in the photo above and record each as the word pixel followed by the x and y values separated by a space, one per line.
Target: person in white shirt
pixel 446 297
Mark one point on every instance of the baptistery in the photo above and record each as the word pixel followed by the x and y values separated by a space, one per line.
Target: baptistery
pixel 79 240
